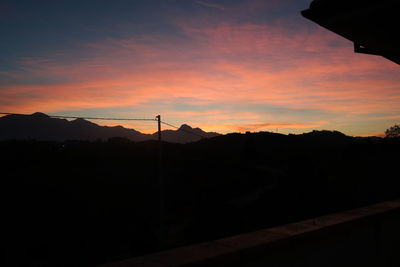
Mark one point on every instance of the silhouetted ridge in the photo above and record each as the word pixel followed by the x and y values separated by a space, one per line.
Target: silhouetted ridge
pixel 326 133
pixel 83 122
pixel 185 127
pixel 39 115
pixel 105 195
pixel 39 126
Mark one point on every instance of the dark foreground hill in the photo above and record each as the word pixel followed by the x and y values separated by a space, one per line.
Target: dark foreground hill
pixel 40 126
pixel 83 203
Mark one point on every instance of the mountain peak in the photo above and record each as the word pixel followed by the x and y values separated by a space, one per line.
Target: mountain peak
pixel 80 121
pixel 38 126
pixel 40 115
pixel 185 127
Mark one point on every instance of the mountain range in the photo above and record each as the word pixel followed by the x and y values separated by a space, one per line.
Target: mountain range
pixel 39 126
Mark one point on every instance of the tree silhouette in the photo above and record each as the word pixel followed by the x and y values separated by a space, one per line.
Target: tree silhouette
pixel 393 131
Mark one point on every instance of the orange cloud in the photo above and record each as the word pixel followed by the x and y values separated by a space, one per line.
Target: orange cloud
pixel 271 126
pixel 377 134
pixel 228 66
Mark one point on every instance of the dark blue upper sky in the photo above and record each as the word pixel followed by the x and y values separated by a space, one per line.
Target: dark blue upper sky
pixel 32 28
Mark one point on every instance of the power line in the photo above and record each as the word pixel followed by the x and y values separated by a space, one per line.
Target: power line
pixel 183 130
pixel 87 118
pixel 109 119
pixel 106 119
pixel 173 126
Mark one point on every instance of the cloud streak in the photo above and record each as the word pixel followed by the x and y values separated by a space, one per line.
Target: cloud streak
pixel 226 65
pixel 272 126
pixel 212 5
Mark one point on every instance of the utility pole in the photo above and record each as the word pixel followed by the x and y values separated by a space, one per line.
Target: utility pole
pixel 161 186
pixel 158 117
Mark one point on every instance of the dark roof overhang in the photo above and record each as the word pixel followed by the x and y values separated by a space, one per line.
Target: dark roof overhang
pixel 373 26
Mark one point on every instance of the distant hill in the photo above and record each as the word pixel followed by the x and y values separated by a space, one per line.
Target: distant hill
pixel 58 196
pixel 42 127
pixel 185 134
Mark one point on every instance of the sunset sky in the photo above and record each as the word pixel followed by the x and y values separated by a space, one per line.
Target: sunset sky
pixel 221 65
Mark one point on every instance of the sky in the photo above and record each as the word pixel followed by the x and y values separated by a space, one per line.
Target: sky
pixel 221 65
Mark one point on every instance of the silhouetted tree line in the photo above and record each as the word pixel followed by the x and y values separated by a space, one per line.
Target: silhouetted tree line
pixel 393 131
pixel 84 203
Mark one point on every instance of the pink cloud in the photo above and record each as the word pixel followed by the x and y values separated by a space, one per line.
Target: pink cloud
pixel 226 65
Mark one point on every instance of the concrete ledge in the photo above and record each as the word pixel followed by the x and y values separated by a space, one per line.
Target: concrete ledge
pixel 370 231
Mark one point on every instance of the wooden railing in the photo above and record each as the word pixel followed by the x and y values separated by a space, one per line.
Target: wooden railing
pixel 368 236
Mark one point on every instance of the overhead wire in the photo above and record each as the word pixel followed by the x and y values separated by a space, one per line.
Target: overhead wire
pixel 87 118
pixel 183 130
pixel 110 119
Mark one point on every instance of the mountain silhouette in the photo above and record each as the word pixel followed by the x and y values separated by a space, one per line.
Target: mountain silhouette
pixel 185 134
pixel 41 127
pixel 214 188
